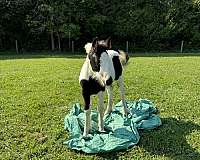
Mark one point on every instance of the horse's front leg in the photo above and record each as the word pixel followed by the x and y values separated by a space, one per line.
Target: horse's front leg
pixel 87 105
pixel 87 122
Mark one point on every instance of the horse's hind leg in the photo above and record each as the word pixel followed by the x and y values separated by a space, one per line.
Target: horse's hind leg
pixel 122 94
pixel 100 109
pixel 110 99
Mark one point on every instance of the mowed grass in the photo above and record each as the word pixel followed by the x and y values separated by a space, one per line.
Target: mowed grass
pixel 36 93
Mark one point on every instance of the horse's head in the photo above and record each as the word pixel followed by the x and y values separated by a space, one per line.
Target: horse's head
pixel 96 49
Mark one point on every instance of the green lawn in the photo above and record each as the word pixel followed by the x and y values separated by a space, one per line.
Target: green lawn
pixel 35 93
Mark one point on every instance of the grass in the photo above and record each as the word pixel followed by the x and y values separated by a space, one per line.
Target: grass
pixel 36 90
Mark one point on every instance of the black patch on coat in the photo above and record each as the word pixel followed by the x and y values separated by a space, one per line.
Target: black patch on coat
pixel 90 87
pixel 85 93
pixel 117 67
pixel 109 81
pixel 94 62
pixel 94 57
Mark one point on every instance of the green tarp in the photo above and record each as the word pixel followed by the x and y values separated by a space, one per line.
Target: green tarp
pixel 121 132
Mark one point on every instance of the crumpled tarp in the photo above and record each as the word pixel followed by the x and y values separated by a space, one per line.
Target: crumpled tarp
pixel 121 132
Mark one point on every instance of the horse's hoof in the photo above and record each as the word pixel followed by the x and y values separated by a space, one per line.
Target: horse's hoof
pixel 107 112
pixel 126 112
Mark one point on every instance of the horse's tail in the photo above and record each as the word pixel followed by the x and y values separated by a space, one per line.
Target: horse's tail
pixel 123 56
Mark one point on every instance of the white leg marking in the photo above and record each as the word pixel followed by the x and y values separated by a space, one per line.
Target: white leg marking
pixel 110 99
pixel 87 122
pixel 122 94
pixel 100 109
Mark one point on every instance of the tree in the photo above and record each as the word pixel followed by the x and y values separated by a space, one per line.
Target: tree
pixel 148 24
pixel 13 24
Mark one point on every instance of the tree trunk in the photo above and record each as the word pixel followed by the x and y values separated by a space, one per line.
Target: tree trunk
pixel 1 44
pixel 59 46
pixel 52 42
pixel 72 46
pixel 69 40
pixel 16 46
pixel 127 46
pixel 182 46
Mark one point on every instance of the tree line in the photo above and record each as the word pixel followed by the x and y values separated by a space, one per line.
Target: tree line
pixel 54 24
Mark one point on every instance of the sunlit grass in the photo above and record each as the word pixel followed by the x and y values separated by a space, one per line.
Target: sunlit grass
pixel 35 93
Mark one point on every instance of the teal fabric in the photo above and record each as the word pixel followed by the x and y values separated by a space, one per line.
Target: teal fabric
pixel 121 132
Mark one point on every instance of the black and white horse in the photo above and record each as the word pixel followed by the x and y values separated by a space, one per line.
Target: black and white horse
pixel 100 68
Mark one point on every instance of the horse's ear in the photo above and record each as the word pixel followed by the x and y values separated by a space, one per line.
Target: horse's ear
pixel 95 42
pixel 108 42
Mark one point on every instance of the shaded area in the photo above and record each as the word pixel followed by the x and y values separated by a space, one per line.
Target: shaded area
pixel 12 55
pixel 160 54
pixel 170 140
pixel 62 25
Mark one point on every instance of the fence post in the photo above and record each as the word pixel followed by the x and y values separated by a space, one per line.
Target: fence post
pixel 182 46
pixel 69 40
pixel 72 46
pixel 127 46
pixel 16 46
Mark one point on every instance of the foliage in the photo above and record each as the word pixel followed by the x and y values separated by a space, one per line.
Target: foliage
pixel 149 24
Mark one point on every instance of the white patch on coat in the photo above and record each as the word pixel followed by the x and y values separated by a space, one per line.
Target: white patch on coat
pixel 106 66
pixel 112 53
pixel 85 71
pixel 88 47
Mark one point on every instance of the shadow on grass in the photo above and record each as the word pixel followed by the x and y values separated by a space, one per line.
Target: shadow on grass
pixel 13 55
pixel 110 155
pixel 166 54
pixel 10 55
pixel 170 140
